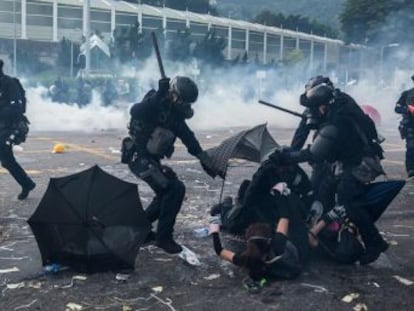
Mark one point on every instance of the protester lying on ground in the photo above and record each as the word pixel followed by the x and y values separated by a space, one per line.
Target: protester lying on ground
pixel 256 200
pixel 279 254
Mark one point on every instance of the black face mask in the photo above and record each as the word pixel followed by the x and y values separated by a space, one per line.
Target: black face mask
pixel 185 109
pixel 314 118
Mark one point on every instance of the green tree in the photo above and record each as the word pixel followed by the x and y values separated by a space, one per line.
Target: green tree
pixel 381 21
pixel 361 19
pixel 294 22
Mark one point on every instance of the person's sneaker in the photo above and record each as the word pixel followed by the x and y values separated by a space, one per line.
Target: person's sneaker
pixel 252 286
pixel 315 213
pixel 169 245
pixel 25 191
pixel 372 253
pixel 150 238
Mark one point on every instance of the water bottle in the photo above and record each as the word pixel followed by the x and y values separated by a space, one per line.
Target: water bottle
pixel 52 268
pixel 201 232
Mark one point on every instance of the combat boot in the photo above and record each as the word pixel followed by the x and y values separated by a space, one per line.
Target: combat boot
pixel 26 190
pixel 169 245
pixel 373 252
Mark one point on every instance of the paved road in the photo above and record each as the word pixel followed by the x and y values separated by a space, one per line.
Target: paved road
pixel 164 282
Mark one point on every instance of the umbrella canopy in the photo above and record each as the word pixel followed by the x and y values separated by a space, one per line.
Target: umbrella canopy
pixel 378 196
pixel 254 145
pixel 90 221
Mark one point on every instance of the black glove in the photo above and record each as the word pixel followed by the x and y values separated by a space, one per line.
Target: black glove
pixel 280 156
pixel 163 86
pixel 207 164
pixel 338 213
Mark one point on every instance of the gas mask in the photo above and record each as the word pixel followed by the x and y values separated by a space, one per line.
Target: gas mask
pixel 313 118
pixel 185 109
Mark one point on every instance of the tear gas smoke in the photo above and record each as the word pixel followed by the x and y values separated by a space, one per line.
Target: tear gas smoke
pixel 228 98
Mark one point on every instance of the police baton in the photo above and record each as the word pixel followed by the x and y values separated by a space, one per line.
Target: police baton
pixel 158 54
pixel 297 114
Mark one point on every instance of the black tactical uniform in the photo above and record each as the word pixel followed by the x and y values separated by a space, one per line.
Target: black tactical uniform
pixel 155 124
pixel 11 113
pixel 407 126
pixel 322 178
pixel 342 141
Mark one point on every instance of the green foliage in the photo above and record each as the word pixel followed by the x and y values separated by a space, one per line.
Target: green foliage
pixel 294 22
pixel 324 11
pixel 381 21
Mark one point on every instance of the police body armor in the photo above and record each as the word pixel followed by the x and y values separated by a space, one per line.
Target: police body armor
pixel 160 140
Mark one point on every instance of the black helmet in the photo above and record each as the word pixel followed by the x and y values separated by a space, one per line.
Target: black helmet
pixel 321 94
pixel 185 88
pixel 314 81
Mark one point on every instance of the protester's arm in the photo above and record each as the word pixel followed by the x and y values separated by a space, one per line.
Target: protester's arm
pixel 220 251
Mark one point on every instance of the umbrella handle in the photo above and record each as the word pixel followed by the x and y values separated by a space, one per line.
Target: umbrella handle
pixel 222 185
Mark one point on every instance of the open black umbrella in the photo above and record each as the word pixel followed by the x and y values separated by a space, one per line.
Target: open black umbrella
pixel 90 221
pixel 254 144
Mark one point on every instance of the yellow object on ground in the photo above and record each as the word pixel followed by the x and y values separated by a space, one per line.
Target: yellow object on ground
pixel 58 148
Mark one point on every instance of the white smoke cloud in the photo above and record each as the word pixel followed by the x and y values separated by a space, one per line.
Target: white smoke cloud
pixel 228 98
pixel 46 115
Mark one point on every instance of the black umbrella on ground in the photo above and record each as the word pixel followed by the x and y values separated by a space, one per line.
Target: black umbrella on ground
pixel 90 221
pixel 378 195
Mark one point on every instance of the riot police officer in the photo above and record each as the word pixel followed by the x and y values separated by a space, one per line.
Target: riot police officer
pixel 405 107
pixel 155 124
pixel 13 128
pixel 346 139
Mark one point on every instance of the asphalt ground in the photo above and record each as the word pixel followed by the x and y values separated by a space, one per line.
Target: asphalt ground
pixel 165 282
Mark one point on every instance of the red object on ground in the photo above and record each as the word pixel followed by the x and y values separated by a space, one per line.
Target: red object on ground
pixel 373 113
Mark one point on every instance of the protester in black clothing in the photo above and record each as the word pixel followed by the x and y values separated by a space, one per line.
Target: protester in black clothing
pixel 155 124
pixel 13 129
pixel 347 138
pixel 256 200
pixel 277 253
pixel 405 107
